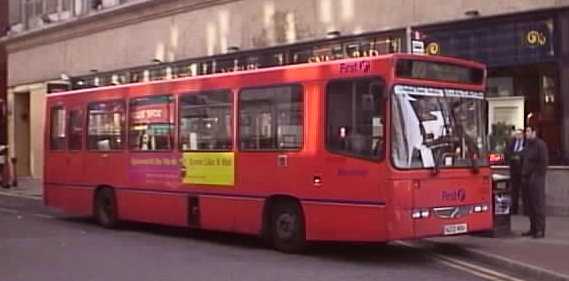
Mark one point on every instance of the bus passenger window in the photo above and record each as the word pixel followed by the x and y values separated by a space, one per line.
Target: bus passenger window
pixel 58 133
pixel 271 118
pixel 75 130
pixel 206 122
pixel 151 123
pixel 355 118
pixel 106 125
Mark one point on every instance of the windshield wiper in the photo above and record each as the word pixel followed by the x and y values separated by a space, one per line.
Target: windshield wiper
pixel 435 171
pixel 475 164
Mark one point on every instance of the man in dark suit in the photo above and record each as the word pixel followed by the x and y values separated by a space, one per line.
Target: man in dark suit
pixel 514 157
pixel 534 168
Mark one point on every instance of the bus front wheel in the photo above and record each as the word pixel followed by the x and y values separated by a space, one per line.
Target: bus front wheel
pixel 106 208
pixel 287 227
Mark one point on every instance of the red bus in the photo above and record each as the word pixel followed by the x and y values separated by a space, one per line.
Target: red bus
pixel 368 149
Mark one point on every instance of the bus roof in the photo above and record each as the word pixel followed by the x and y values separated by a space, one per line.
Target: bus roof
pixel 386 57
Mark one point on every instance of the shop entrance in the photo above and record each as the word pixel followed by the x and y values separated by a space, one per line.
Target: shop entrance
pixel 22 133
pixel 530 90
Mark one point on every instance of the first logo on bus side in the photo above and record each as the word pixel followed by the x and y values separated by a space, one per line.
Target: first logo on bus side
pixel 355 67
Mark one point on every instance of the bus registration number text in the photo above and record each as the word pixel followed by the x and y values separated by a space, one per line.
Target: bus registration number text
pixel 455 229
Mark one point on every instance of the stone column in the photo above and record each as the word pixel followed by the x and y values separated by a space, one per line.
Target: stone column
pixel 563 39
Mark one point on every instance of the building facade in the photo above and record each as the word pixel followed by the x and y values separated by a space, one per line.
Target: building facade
pixel 55 44
pixel 3 71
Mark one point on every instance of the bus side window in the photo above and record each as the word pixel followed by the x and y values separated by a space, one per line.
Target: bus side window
pixel 151 126
pixel 75 130
pixel 58 133
pixel 206 122
pixel 355 118
pixel 271 118
pixel 106 125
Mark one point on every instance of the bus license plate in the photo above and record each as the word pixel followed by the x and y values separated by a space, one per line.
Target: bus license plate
pixel 455 229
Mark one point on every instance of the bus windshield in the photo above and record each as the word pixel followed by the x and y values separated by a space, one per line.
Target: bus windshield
pixel 435 127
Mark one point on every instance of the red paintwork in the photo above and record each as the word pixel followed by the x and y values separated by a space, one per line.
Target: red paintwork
pixel 70 199
pixel 231 214
pixel 143 206
pixel 345 222
pixel 329 208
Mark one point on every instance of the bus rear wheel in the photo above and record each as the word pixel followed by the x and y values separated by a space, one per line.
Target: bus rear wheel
pixel 106 208
pixel 287 227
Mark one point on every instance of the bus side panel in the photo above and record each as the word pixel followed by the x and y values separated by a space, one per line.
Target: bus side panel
pixel 153 207
pixel 344 222
pixel 242 215
pixel 70 199
pixel 399 207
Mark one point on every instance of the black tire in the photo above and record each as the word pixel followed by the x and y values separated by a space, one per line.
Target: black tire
pixel 287 227
pixel 106 208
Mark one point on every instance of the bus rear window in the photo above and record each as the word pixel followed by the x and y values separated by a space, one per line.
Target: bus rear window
pixel 428 70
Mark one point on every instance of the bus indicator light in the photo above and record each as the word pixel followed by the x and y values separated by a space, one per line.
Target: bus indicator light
pixel 317 181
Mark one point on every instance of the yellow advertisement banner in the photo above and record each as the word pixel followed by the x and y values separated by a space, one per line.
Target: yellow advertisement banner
pixel 214 168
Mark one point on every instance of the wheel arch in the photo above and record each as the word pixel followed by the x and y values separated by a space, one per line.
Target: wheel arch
pixel 267 207
pixel 112 219
pixel 98 189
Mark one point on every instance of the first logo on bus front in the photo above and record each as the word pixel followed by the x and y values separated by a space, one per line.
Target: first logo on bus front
pixel 355 67
pixel 454 195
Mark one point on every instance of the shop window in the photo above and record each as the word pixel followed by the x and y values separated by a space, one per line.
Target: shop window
pixel 206 121
pixel 151 123
pixel 66 5
pixel 96 4
pixel 58 135
pixel 271 118
pixel 548 90
pixel 75 131
pixel 500 87
pixel 38 7
pixel 50 6
pixel 15 11
pixel 355 118
pixel 519 96
pixel 106 126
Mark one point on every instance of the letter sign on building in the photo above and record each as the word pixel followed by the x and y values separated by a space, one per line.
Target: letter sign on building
pixel 536 39
pixel 433 49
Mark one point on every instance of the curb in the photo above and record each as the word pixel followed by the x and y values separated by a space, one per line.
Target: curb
pixel 523 269
pixel 20 195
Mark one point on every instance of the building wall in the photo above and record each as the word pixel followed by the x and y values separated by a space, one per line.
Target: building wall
pixel 36 131
pixel 3 70
pixel 180 29
pixel 557 192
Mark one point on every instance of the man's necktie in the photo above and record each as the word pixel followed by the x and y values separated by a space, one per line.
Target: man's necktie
pixel 518 146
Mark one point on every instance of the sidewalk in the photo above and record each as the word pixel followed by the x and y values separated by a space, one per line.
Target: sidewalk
pixel 27 187
pixel 541 259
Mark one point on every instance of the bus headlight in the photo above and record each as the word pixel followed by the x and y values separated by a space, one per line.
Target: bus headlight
pixel 480 208
pixel 416 214
pixel 420 213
